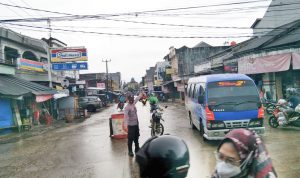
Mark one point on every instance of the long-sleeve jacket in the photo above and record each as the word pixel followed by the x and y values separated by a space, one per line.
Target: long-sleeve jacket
pixel 130 112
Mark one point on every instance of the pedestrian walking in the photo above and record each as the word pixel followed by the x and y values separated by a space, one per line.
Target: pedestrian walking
pixel 242 154
pixel 132 123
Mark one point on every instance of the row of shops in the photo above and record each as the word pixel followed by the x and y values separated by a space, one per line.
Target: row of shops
pixel 24 104
pixel 271 60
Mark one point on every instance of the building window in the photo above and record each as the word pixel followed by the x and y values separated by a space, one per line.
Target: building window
pixel 10 56
pixel 29 55
pixel 44 60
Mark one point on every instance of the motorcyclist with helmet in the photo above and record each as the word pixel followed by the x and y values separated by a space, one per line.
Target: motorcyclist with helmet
pixel 164 156
pixel 122 100
pixel 293 98
pixel 153 100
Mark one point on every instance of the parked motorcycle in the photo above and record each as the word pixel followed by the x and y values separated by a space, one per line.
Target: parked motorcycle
pixel 283 115
pixel 270 106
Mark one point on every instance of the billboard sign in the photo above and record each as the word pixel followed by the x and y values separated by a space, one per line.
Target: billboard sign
pixel 31 65
pixel 101 85
pixel 70 66
pixel 68 54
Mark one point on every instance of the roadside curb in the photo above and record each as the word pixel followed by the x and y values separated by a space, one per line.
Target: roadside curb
pixel 38 130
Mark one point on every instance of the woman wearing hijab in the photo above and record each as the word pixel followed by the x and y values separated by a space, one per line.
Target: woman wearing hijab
pixel 242 154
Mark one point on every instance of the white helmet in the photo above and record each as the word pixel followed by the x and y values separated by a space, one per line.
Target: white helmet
pixel 297 109
pixel 281 102
pixel 291 91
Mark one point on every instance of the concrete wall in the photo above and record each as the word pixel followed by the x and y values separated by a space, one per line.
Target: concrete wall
pixel 189 57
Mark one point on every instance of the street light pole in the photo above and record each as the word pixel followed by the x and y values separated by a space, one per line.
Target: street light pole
pixel 49 55
pixel 106 85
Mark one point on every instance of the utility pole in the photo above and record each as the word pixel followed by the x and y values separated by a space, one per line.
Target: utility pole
pixel 49 55
pixel 106 85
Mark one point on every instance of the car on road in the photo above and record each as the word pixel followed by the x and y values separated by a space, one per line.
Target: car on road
pixel 91 103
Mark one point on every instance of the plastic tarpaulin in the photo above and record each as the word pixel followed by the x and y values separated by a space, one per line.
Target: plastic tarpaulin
pixel 42 98
pixel 274 63
pixel 296 60
pixel 6 117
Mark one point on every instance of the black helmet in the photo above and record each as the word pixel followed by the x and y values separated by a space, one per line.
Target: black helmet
pixel 165 156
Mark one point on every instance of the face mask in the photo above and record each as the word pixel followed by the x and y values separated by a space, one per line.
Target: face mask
pixel 227 170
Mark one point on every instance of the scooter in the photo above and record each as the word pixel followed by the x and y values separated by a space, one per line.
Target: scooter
pixel 285 116
pixel 270 106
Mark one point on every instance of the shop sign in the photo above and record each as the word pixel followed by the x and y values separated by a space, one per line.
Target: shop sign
pixel 31 65
pixel 68 54
pixel 80 82
pixel 169 71
pixel 231 67
pixel 101 85
pixel 202 67
pixel 70 66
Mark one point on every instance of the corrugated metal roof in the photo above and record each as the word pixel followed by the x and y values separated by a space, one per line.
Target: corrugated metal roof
pixel 292 37
pixel 278 36
pixel 19 86
pixel 7 88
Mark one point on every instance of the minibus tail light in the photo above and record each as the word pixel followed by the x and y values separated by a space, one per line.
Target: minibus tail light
pixel 209 114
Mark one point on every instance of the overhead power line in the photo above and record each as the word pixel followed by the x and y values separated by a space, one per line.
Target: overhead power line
pixel 127 35
pixel 29 8
pixel 139 12
pixel 137 35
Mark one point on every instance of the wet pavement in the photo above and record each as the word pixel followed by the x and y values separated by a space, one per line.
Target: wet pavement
pixel 86 150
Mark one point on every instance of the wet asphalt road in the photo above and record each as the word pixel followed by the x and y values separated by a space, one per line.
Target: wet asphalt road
pixel 86 150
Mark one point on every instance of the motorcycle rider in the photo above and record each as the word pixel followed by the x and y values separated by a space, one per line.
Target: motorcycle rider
pixel 292 97
pixel 153 100
pixel 122 100
pixel 165 156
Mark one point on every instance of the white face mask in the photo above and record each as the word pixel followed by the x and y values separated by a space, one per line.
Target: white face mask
pixel 227 170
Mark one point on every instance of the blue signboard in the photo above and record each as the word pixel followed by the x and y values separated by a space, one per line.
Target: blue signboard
pixel 70 66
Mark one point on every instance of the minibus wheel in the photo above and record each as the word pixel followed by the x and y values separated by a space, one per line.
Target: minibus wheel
pixel 191 122
pixel 202 131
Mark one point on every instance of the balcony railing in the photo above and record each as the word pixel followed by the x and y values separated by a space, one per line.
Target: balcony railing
pixel 11 62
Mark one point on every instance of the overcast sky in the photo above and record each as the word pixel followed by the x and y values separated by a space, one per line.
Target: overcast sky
pixel 133 55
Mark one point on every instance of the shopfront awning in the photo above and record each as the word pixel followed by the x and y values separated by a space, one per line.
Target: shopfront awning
pixel 274 63
pixel 296 60
pixel 9 89
pixel 17 87
pixel 167 83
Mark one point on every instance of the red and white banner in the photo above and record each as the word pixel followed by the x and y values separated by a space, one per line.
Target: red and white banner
pixel 296 60
pixel 274 63
pixel 118 128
